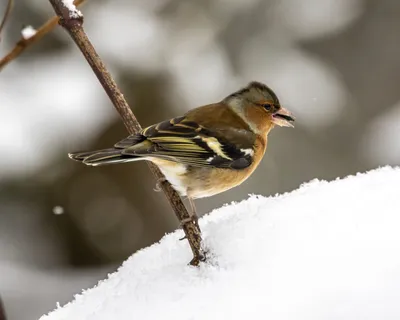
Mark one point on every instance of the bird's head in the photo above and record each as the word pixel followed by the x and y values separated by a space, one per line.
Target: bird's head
pixel 258 99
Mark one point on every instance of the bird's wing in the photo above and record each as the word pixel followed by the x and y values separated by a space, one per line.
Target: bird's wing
pixel 186 141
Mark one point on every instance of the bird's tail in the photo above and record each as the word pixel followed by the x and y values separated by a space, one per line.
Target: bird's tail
pixel 103 157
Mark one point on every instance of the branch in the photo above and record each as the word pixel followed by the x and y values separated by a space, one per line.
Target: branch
pixel 24 43
pixel 72 20
pixel 6 15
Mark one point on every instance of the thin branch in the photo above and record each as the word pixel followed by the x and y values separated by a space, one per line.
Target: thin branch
pixel 6 15
pixel 72 20
pixel 23 43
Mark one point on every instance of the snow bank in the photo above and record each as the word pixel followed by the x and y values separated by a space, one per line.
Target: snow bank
pixel 325 251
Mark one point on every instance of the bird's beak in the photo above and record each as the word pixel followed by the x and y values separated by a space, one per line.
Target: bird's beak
pixel 283 118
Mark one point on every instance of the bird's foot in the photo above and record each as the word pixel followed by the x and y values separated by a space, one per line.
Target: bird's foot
pixel 159 183
pixel 192 219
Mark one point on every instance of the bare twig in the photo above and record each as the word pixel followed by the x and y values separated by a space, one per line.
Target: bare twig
pixel 6 15
pixel 72 21
pixel 23 43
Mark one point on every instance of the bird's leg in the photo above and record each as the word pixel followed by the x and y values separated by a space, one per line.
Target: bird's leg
pixel 193 216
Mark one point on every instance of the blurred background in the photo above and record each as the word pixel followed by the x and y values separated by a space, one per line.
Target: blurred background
pixel 63 226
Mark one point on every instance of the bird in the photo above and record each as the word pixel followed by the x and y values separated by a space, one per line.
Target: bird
pixel 208 150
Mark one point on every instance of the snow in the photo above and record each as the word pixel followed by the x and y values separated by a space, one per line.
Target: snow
pixel 73 11
pixel 28 32
pixel 328 250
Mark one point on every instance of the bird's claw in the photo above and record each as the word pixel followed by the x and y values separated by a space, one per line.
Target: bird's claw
pixel 194 219
pixel 158 184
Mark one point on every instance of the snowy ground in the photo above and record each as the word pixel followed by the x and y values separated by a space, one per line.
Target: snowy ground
pixel 324 251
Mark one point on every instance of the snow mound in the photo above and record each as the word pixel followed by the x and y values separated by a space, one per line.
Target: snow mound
pixel 329 250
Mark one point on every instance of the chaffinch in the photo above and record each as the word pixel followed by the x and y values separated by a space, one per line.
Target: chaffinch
pixel 210 149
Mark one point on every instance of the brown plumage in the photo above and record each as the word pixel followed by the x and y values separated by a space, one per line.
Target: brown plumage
pixel 208 150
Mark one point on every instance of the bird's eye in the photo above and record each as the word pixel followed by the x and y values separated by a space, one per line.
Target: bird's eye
pixel 267 106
